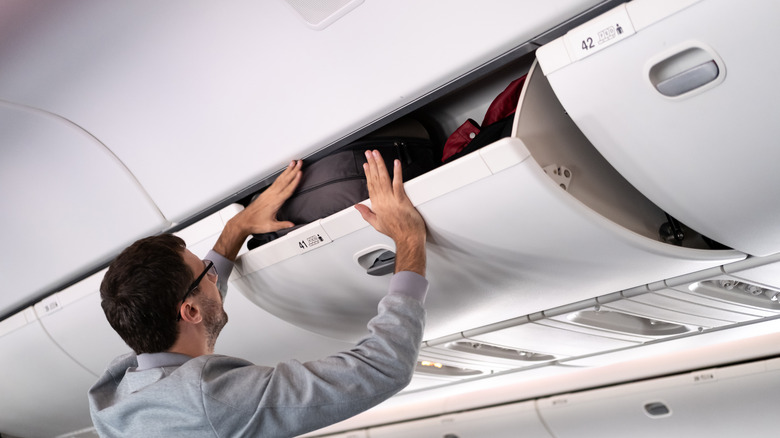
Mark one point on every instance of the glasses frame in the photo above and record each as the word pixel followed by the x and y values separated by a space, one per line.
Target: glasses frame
pixel 196 283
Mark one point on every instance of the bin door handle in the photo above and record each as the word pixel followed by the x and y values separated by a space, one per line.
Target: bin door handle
pixel 689 80
pixel 383 265
pixel 686 69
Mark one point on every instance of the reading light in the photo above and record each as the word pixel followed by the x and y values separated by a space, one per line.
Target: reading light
pixel 438 369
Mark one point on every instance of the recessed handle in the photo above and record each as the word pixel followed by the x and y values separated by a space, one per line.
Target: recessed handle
pixel 689 80
pixel 383 265
pixel 685 70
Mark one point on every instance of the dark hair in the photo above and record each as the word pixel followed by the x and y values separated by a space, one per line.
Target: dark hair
pixel 141 292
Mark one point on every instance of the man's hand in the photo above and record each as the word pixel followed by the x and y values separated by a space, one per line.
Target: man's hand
pixel 393 214
pixel 260 215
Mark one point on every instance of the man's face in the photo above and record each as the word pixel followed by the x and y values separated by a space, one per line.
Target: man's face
pixel 209 299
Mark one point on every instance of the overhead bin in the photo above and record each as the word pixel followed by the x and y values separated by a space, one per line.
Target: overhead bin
pixel 78 204
pixel 727 400
pixel 498 422
pixel 254 334
pixel 39 377
pixel 75 321
pixel 680 96
pixel 504 238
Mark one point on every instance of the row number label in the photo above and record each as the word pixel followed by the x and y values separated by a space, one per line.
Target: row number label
pixel 599 33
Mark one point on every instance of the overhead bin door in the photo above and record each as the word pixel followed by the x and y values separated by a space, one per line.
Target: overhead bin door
pixel 68 204
pixel 254 334
pixel 74 320
pixel 681 97
pixel 505 239
pixel 43 392
pixel 514 420
pixel 719 402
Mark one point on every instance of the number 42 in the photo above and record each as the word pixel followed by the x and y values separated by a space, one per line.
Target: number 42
pixel 587 43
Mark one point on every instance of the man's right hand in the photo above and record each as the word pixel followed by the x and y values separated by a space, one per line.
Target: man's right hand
pixel 393 214
pixel 260 215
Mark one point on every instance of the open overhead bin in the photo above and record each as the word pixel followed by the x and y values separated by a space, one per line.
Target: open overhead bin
pixel 253 333
pixel 681 97
pixel 531 222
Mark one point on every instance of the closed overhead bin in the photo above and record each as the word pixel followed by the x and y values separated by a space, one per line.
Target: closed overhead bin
pixel 531 222
pixel 75 200
pixel 39 377
pixel 714 402
pixel 512 420
pixel 681 98
pixel 74 319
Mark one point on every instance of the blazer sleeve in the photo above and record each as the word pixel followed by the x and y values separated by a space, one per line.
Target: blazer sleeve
pixel 242 399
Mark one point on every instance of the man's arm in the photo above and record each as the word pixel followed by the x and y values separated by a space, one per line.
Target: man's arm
pixel 260 215
pixel 393 214
pixel 295 398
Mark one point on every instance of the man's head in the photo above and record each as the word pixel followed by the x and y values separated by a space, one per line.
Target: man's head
pixel 142 294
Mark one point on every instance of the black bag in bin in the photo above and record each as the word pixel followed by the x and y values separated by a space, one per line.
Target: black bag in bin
pixel 337 181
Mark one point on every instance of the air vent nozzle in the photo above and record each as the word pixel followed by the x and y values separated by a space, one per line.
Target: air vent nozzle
pixel 740 293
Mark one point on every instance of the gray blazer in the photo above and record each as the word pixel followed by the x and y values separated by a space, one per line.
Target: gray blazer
pixel 167 395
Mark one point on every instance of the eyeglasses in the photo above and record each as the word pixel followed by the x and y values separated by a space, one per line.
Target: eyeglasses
pixel 211 270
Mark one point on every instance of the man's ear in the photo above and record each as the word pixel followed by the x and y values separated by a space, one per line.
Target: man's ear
pixel 190 312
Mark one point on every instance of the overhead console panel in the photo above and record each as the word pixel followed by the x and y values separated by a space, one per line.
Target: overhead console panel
pixel 681 97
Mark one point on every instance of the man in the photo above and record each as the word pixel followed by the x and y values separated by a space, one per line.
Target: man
pixel 167 305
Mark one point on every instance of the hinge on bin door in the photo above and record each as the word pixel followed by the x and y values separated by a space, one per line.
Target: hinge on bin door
pixel 672 231
pixel 560 174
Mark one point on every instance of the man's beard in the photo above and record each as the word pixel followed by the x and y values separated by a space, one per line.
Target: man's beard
pixel 214 319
